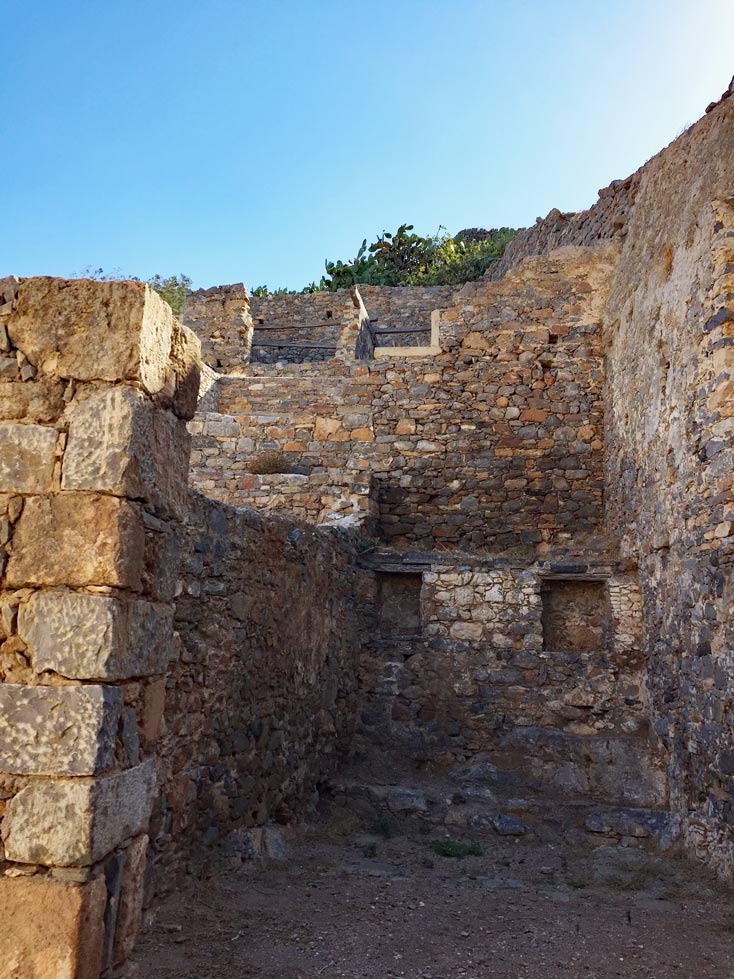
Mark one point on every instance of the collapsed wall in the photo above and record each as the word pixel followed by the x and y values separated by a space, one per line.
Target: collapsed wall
pixel 220 317
pixel 607 220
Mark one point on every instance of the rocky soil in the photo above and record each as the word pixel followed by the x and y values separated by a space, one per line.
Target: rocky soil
pixel 369 897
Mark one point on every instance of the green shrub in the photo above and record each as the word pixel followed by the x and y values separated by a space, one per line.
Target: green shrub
pixel 453 848
pixel 408 259
pixel 173 289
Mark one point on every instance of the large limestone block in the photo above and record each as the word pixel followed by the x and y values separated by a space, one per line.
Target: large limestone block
pixel 27 455
pixel 41 400
pixel 130 907
pixel 122 443
pixel 58 730
pixel 91 330
pixel 77 539
pixel 185 368
pixel 95 637
pixel 76 822
pixel 51 930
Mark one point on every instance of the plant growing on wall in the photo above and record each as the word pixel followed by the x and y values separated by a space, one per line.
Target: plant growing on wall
pixel 172 288
pixel 404 258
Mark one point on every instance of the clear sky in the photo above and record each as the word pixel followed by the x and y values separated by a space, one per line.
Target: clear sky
pixel 245 140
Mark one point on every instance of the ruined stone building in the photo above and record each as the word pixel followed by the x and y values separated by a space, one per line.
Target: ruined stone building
pixel 493 521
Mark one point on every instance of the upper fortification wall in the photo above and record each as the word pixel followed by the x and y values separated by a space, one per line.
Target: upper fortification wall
pixel 670 456
pixel 495 442
pixel 607 220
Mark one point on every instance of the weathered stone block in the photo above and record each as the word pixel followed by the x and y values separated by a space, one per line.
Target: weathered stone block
pixel 467 631
pixel 57 730
pixel 50 930
pixel 91 330
pixel 122 443
pixel 185 370
pixel 94 637
pixel 26 458
pixel 40 400
pixel 130 908
pixel 161 559
pixel 76 822
pixel 77 539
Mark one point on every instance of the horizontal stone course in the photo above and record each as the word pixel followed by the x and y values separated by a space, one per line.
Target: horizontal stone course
pixel 95 637
pixel 58 730
pixel 89 330
pixel 76 822
pixel 120 442
pixel 77 539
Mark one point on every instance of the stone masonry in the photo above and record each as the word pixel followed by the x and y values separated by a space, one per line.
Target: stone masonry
pixel 98 381
pixel 505 553
pixel 495 442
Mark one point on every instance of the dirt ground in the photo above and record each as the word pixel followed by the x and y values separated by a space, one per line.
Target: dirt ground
pixel 359 906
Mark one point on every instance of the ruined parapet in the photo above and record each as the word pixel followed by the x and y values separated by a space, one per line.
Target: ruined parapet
pixel 97 381
pixel 220 317
pixel 401 315
pixel 607 220
pixel 491 437
pixel 305 328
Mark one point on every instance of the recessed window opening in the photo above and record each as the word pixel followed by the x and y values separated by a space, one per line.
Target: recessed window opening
pixel 399 603
pixel 576 615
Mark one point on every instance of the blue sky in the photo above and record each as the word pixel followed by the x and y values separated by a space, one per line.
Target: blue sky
pixel 248 141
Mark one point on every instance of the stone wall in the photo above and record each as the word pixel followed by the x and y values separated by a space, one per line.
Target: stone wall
pixel 404 307
pixel 607 220
pixel 670 469
pixel 312 498
pixel 96 382
pixel 307 327
pixel 221 319
pixel 483 674
pixel 497 442
pixel 262 703
pixel 304 328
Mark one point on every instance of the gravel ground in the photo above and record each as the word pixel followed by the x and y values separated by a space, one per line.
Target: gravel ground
pixel 358 906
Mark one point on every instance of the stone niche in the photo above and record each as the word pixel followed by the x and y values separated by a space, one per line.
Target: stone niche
pixel 576 615
pixel 399 603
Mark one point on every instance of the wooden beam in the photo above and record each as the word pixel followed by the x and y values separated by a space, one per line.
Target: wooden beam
pixel 289 344
pixel 277 325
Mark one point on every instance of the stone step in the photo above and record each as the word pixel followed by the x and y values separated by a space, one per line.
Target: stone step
pixel 615 768
pixel 477 813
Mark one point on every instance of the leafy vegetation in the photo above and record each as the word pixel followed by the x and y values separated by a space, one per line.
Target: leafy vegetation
pixel 264 291
pixel 409 259
pixel 453 848
pixel 172 288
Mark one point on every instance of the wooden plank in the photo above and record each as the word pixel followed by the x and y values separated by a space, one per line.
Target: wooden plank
pixel 288 325
pixel 386 331
pixel 290 345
